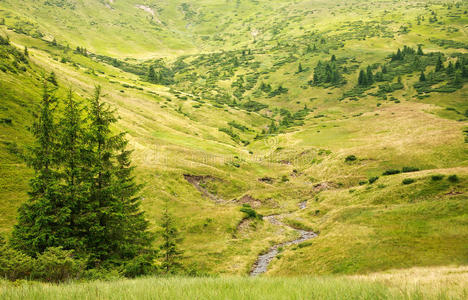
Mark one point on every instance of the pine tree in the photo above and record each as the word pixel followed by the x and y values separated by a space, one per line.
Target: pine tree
pixel 116 228
pixel 299 68
pixel 362 80
pixel 420 51
pixel 26 53
pixel 439 65
pixel 52 79
pixel 422 77
pixel 370 76
pixel 72 153
pixel 43 221
pixel 169 249
pixel 151 74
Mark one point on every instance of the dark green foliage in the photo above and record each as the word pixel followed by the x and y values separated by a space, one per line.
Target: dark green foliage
pixel 52 79
pixel 422 77
pixel 116 228
pixel 151 75
pixel 391 172
pixel 373 179
pixel 437 177
pixel 57 265
pixel 14 264
pixel 327 72
pixel 169 254
pixel 26 53
pixel 420 51
pixel 250 212
pixel 453 178
pixel 407 181
pixel 253 106
pixel 83 196
pixel 350 158
pixel 409 169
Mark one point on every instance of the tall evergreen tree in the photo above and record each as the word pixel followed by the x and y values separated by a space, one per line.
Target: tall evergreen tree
pixel 362 79
pixel 169 250
pixel 439 65
pixel 299 68
pixel 72 153
pixel 422 77
pixel 43 221
pixel 370 76
pixel 151 75
pixel 116 228
pixel 420 51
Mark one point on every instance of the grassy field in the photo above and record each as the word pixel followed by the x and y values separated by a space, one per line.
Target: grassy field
pixel 175 130
pixel 417 283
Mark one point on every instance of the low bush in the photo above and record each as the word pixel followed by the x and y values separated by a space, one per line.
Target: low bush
pixel 409 169
pixel 391 172
pixel 373 179
pixel 407 181
pixel 57 265
pixel 350 158
pixel 453 178
pixel 251 213
pixel 14 264
pixel 437 177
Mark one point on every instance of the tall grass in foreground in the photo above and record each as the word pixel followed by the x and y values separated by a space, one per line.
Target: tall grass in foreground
pixel 386 286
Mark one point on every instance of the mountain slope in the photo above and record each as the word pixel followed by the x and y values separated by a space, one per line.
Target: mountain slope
pixel 237 115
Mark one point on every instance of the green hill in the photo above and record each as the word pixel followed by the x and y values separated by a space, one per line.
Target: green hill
pixel 260 102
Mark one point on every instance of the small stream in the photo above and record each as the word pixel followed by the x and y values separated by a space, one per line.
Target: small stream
pixel 261 265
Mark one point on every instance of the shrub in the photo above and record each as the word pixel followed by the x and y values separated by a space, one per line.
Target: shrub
pixel 362 182
pixel 140 265
pixel 373 179
pixel 408 181
pixel 284 178
pixel 57 265
pixel 350 158
pixel 251 213
pixel 437 177
pixel 391 172
pixel 409 169
pixel 453 178
pixel 14 264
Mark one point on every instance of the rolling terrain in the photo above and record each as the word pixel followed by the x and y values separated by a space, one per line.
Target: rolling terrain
pixel 260 104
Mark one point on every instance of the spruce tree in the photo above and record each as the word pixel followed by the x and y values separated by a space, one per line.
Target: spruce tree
pixel 43 221
pixel 116 228
pixel 169 250
pixel 370 76
pixel 362 80
pixel 26 53
pixel 72 153
pixel 422 77
pixel 299 68
pixel 151 75
pixel 439 65
pixel 420 51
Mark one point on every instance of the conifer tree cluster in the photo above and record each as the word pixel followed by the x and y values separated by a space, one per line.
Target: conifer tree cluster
pixel 327 72
pixel 366 77
pixel 83 195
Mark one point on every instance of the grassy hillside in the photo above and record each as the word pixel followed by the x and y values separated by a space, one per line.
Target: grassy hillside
pixel 237 115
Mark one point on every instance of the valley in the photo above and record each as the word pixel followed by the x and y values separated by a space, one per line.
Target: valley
pixel 288 138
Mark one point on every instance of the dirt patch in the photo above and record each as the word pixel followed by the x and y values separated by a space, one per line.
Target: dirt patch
pixel 247 199
pixel 326 185
pixel 198 181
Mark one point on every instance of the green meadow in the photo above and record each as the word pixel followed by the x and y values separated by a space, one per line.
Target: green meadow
pixel 259 103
